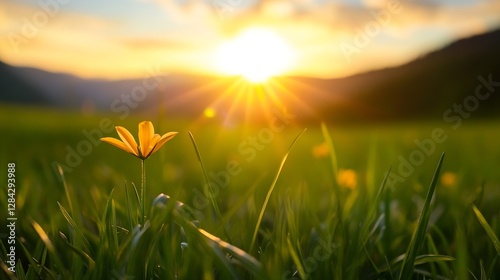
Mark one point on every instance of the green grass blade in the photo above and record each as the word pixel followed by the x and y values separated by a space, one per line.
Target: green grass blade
pixel 432 258
pixel 81 254
pixel 6 272
pixel 296 259
pixel 270 191
pixel 387 238
pixel 151 250
pixel 107 207
pixel 20 271
pixel 334 165
pixel 137 196
pixel 66 189
pixel 372 210
pixel 51 248
pixel 337 199
pixel 129 211
pixel 487 228
pixel 248 261
pixel 431 246
pixel 73 225
pixel 3 249
pixel 44 237
pixel 126 243
pixel 114 226
pixel 34 268
pixel 483 272
pixel 333 155
pixel 75 213
pixel 419 234
pixel 421 259
pixel 208 184
pixel 492 266
pixel 222 258
pixel 460 266
pixel 140 234
pixel 220 249
pixel 239 203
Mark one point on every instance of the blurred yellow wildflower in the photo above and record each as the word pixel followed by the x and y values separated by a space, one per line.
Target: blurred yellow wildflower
pixel 348 179
pixel 209 112
pixel 149 142
pixel 321 150
pixel 449 179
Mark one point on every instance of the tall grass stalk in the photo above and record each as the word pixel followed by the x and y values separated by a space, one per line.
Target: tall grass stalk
pixel 489 231
pixel 419 234
pixel 208 185
pixel 143 191
pixel 270 191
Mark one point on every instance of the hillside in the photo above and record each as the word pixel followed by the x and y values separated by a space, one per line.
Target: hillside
pixel 426 87
pixel 421 89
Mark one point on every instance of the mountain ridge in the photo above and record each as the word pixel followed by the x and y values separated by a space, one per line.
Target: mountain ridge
pixel 423 88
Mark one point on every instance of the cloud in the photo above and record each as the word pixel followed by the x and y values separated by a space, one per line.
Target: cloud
pixel 317 28
pixel 35 24
pixel 154 43
pixel 344 13
pixel 183 32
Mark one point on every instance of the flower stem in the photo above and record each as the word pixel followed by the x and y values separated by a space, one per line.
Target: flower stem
pixel 143 191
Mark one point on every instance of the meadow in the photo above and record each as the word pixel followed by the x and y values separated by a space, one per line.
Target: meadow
pixel 344 202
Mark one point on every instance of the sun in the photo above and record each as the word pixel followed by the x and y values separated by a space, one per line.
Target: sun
pixel 256 54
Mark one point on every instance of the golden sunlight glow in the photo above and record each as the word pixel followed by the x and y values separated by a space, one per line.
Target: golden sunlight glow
pixel 256 54
pixel 209 112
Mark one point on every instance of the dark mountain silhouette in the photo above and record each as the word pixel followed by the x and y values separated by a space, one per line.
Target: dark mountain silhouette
pixel 426 87
pixel 421 89
pixel 15 90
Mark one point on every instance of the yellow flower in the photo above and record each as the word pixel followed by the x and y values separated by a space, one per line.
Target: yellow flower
pixel 348 179
pixel 449 179
pixel 321 150
pixel 149 142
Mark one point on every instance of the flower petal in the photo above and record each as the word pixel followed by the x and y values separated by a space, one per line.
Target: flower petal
pixel 146 134
pixel 117 143
pixel 166 137
pixel 127 139
pixel 152 145
pixel 155 139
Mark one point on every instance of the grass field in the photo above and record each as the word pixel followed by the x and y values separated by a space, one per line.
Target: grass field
pixel 329 214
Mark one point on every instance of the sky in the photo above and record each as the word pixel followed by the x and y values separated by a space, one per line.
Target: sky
pixel 118 39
